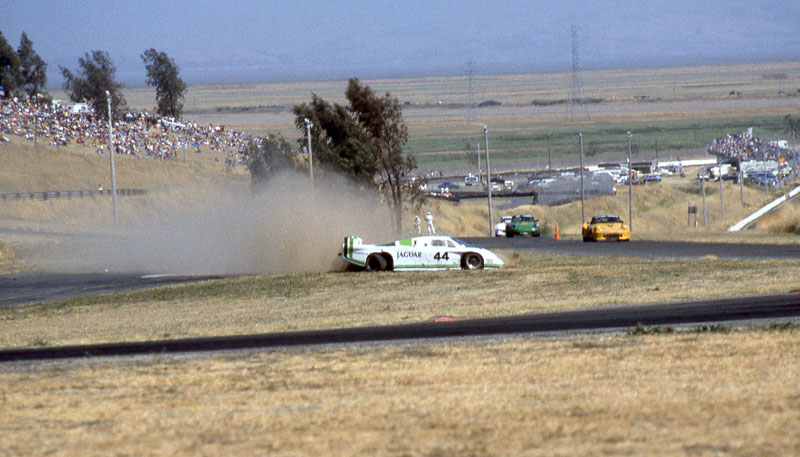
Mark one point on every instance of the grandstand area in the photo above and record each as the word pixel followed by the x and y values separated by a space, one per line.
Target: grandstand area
pixel 138 134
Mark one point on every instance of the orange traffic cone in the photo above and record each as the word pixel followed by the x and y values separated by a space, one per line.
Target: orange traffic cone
pixel 557 237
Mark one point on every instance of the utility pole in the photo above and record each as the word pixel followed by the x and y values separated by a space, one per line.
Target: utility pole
pixel 549 156
pixel 703 186
pixel 764 168
pixel 111 154
pixel 488 178
pixel 721 207
pixel 310 124
pixel 656 155
pixel 630 185
pixel 576 86
pixel 583 211
pixel 741 178
pixel 479 161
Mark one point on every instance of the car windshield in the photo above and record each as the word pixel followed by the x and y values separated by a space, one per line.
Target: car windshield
pixel 463 243
pixel 606 219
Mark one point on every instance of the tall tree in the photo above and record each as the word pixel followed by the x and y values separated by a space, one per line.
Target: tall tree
pixel 162 73
pixel 32 68
pixel 364 141
pixel 266 156
pixel 470 154
pixel 9 68
pixel 95 77
pixel 338 141
pixel 382 118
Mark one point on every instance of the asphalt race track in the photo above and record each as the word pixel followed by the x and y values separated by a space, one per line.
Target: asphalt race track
pixel 32 287
pixel 36 286
pixel 21 288
pixel 646 249
pixel 777 306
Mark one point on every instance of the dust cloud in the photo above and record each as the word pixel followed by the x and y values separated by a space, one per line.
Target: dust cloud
pixel 287 227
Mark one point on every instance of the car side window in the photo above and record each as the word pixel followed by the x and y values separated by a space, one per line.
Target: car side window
pixel 450 244
pixel 437 243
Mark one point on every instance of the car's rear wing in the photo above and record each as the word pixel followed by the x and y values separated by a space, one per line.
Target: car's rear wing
pixel 349 244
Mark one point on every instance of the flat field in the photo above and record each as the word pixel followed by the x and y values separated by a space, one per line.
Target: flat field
pixel 703 392
pixel 696 394
pixel 680 108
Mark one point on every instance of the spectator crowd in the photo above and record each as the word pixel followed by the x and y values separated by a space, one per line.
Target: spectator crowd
pixel 743 145
pixel 136 134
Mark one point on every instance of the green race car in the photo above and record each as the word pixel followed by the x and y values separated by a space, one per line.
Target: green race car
pixel 522 224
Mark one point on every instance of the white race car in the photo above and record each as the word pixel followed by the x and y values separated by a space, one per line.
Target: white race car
pixel 433 252
pixel 500 227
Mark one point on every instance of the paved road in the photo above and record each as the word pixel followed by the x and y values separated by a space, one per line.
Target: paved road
pixel 776 306
pixel 31 287
pixel 36 286
pixel 647 249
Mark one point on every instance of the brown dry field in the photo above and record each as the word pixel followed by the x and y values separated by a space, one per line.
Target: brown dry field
pixel 683 394
pixel 687 393
pixel 674 93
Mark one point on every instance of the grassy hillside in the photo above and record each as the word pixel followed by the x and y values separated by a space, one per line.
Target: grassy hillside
pixel 171 186
pixel 660 211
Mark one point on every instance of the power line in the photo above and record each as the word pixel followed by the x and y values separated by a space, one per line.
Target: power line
pixel 576 86
pixel 471 109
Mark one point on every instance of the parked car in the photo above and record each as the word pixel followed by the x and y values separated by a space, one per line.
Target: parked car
pixel 731 177
pixel 522 224
pixel 606 227
pixel 448 185
pixel 500 227
pixel 651 178
pixel 431 252
pixel 762 179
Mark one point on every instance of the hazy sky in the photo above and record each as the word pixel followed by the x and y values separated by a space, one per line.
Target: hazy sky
pixel 241 41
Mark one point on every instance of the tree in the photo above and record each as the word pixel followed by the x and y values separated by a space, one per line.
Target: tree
pixel 338 141
pixel 9 68
pixel 382 118
pixel 363 141
pixel 96 76
pixel 266 156
pixel 470 154
pixel 32 68
pixel 162 73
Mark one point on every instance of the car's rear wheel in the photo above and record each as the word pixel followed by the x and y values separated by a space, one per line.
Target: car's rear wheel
pixel 472 261
pixel 376 262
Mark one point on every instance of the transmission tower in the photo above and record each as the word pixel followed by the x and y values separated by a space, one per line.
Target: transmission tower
pixel 471 110
pixel 576 88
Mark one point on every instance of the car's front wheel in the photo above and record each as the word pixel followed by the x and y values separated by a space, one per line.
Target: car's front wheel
pixel 472 261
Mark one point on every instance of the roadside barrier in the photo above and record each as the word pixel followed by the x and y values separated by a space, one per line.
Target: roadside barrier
pixel 68 194
pixel 764 210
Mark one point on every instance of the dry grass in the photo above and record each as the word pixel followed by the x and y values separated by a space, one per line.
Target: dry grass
pixel 670 395
pixel 529 283
pixel 616 86
pixel 251 107
pixel 678 394
pixel 660 212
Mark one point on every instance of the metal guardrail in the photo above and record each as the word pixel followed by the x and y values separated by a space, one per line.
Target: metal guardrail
pixel 764 210
pixel 67 194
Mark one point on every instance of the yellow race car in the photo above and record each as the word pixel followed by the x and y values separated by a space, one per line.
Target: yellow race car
pixel 603 228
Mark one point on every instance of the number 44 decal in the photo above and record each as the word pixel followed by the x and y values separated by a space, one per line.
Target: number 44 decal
pixel 440 256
